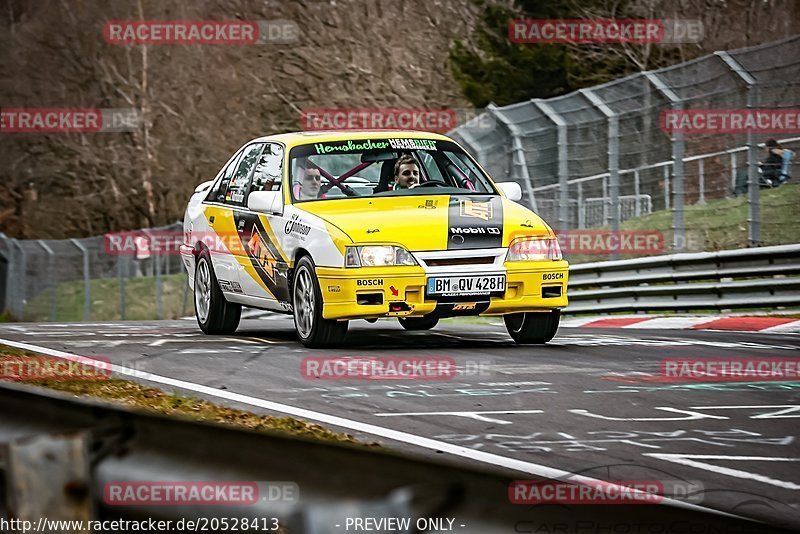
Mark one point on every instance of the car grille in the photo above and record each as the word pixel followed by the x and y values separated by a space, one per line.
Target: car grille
pixel 447 262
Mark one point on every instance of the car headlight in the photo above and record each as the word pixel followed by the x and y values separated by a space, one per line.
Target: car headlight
pixel 377 256
pixel 534 249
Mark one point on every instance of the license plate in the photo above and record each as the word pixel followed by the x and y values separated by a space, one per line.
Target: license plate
pixel 462 286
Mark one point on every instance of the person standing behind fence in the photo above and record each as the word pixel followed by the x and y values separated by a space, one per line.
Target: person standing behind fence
pixel 775 167
pixel 143 260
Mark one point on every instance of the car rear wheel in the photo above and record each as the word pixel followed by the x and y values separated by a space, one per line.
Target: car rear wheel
pixel 311 328
pixel 215 315
pixel 418 323
pixel 533 328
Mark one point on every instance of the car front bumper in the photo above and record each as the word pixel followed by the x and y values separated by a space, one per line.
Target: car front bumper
pixel 373 292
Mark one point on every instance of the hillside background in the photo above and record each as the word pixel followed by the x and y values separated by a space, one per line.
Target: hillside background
pixel 201 102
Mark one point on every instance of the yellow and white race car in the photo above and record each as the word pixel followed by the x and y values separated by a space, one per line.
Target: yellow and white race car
pixel 333 226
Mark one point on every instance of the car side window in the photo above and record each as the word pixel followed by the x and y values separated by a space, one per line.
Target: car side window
pixel 431 169
pixel 237 187
pixel 269 169
pixel 220 187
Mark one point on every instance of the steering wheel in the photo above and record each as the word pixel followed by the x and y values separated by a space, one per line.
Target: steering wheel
pixel 432 183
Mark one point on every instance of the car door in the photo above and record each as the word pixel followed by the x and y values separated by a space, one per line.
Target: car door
pixel 264 266
pixel 220 228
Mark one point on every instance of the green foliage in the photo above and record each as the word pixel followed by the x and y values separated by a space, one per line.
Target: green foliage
pixel 496 70
pixel 491 68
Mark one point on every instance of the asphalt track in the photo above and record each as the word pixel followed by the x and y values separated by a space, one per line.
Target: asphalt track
pixel 588 403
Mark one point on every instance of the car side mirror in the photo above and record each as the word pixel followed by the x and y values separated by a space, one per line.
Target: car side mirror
pixel 511 190
pixel 270 202
pixel 205 186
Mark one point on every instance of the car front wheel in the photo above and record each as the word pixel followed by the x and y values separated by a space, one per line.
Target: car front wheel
pixel 532 328
pixel 312 329
pixel 215 315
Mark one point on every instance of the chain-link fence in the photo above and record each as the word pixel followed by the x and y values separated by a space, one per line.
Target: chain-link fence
pixel 602 158
pixel 117 276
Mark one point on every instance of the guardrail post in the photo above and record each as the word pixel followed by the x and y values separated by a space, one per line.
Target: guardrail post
pixel 518 155
pixel 753 193
pixel 563 163
pixel 611 214
pixel 87 291
pixel 51 275
pixel 678 225
pixel 48 476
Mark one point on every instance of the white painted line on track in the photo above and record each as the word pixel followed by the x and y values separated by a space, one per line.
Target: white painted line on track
pixel 691 461
pixel 478 416
pixel 396 435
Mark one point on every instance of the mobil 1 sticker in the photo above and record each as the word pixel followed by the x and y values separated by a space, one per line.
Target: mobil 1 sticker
pixel 474 222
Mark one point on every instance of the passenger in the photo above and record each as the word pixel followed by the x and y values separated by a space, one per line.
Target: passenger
pixel 311 184
pixel 406 172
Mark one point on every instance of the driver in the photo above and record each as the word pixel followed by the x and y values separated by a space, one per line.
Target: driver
pixel 406 172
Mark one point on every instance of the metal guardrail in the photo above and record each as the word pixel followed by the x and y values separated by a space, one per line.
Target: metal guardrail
pixel 57 453
pixel 745 278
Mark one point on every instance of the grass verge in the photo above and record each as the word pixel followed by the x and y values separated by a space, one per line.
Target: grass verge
pixel 154 400
pixel 140 300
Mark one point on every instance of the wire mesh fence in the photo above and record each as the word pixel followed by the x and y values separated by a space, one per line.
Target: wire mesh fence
pixel 602 159
pixel 90 279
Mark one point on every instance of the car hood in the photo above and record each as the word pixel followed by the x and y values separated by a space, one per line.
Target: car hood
pixel 431 222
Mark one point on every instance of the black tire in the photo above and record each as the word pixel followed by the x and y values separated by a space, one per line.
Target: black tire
pixel 307 304
pixel 532 328
pixel 418 323
pixel 221 316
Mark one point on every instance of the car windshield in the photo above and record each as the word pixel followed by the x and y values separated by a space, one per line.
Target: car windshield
pixel 384 167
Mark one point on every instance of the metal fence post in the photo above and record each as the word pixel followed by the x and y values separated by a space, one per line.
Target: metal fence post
pixel 637 208
pixel 563 162
pixel 9 247
pixel 611 212
pixel 678 223
pixel 121 273
pixel 51 276
pixel 666 187
pixel 87 291
pixel 22 284
pixel 518 156
pixel 733 171
pixel 701 168
pixel 472 144
pixel 156 258
pixel 753 193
